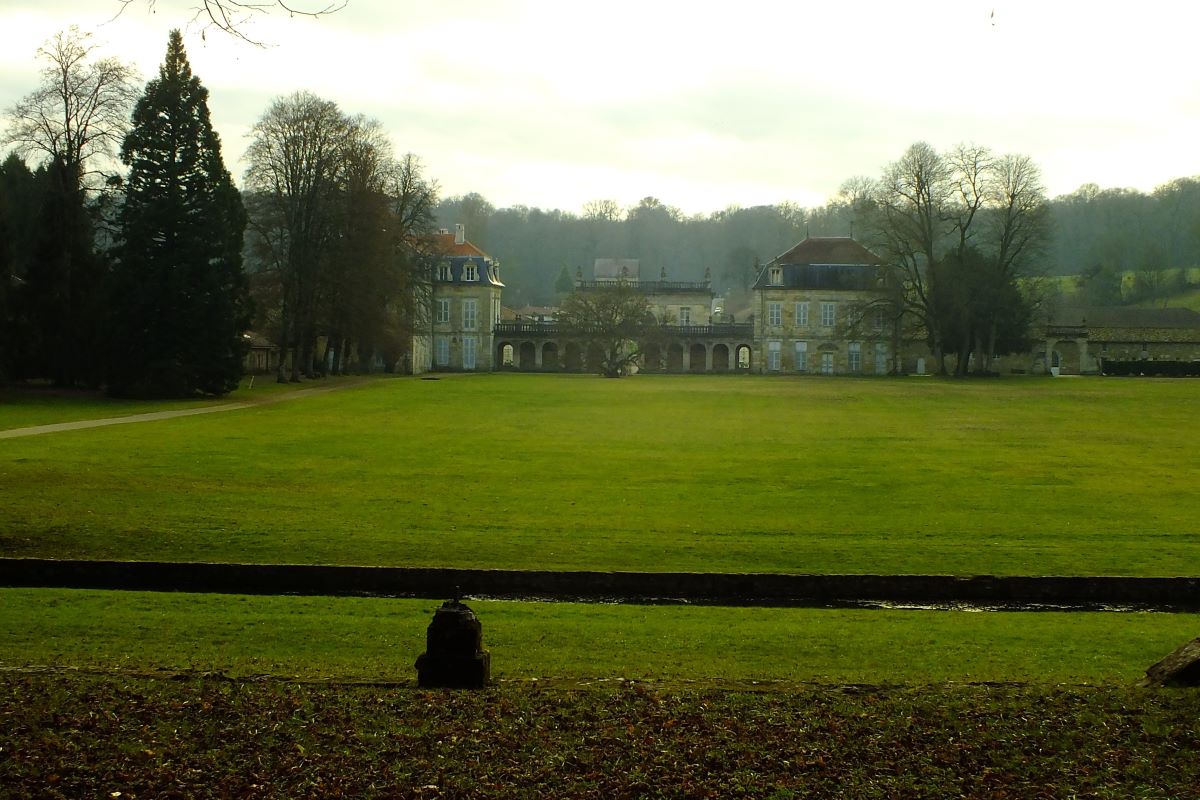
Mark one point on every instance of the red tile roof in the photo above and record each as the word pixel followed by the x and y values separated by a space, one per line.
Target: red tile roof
pixel 445 244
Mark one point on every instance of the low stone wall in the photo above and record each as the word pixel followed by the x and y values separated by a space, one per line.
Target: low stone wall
pixel 1182 593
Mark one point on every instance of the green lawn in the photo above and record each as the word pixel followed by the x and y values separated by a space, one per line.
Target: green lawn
pixel 1016 476
pixel 1013 476
pixel 379 639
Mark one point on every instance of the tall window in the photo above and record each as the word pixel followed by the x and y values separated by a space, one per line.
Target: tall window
pixel 774 313
pixel 470 315
pixel 826 363
pixel 495 311
pixel 470 272
pixel 685 315
pixel 877 320
pixel 801 356
pixel 443 272
pixel 802 315
pixel 881 359
pixel 443 311
pixel 442 355
pixel 773 351
pixel 828 314
pixel 470 344
pixel 855 357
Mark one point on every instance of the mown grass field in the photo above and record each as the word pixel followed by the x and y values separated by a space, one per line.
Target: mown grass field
pixel 1015 476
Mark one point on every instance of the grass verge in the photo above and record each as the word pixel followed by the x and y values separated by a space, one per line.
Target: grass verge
pixel 379 639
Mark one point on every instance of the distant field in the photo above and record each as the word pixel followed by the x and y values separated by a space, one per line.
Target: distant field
pixel 1068 285
pixel 1013 476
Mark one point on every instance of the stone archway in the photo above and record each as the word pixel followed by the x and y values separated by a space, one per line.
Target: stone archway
pixel 550 355
pixel 674 357
pixel 1065 356
pixel 652 357
pixel 595 357
pixel 573 359
pixel 506 356
pixel 745 359
pixel 697 358
pixel 720 358
pixel 527 356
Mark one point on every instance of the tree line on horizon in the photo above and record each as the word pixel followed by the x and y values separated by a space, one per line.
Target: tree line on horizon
pixel 146 280
pixel 1100 236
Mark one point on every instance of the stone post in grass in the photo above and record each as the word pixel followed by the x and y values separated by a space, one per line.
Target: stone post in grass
pixel 1180 668
pixel 454 657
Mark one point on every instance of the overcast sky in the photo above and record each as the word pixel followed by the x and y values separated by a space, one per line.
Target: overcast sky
pixel 704 106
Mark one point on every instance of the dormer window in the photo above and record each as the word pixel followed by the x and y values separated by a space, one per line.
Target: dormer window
pixel 470 273
pixel 443 272
pixel 775 276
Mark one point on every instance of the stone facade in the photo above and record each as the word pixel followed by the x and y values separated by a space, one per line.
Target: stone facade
pixel 466 307
pixel 1078 340
pixel 819 308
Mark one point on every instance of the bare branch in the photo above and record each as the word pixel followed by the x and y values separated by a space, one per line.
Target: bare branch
pixel 232 16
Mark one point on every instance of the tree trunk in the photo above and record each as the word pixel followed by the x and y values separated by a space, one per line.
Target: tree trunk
pixel 988 348
pixel 962 355
pixel 285 341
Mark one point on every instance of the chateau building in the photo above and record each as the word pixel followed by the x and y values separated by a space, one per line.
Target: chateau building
pixel 466 308
pixel 820 308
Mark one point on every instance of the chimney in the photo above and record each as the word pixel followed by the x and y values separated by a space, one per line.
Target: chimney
pixel 460 234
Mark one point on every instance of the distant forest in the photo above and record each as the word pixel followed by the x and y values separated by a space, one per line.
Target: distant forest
pixel 1100 234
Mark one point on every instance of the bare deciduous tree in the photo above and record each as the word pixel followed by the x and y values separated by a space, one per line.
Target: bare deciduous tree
pixel 79 114
pixel 296 161
pixel 343 228
pixel 602 210
pixel 614 322
pixel 378 280
pixel 960 230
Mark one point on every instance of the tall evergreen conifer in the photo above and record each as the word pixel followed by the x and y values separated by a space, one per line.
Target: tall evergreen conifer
pixel 179 296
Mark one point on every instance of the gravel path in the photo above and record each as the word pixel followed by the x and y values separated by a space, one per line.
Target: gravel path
pixel 37 430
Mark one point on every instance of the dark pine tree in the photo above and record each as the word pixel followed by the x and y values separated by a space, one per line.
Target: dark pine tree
pixel 20 203
pixel 179 294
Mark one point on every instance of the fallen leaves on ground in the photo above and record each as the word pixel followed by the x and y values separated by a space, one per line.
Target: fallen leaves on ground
pixel 77 735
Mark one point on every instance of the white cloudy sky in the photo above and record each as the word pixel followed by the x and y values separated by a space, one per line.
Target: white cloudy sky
pixel 703 105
